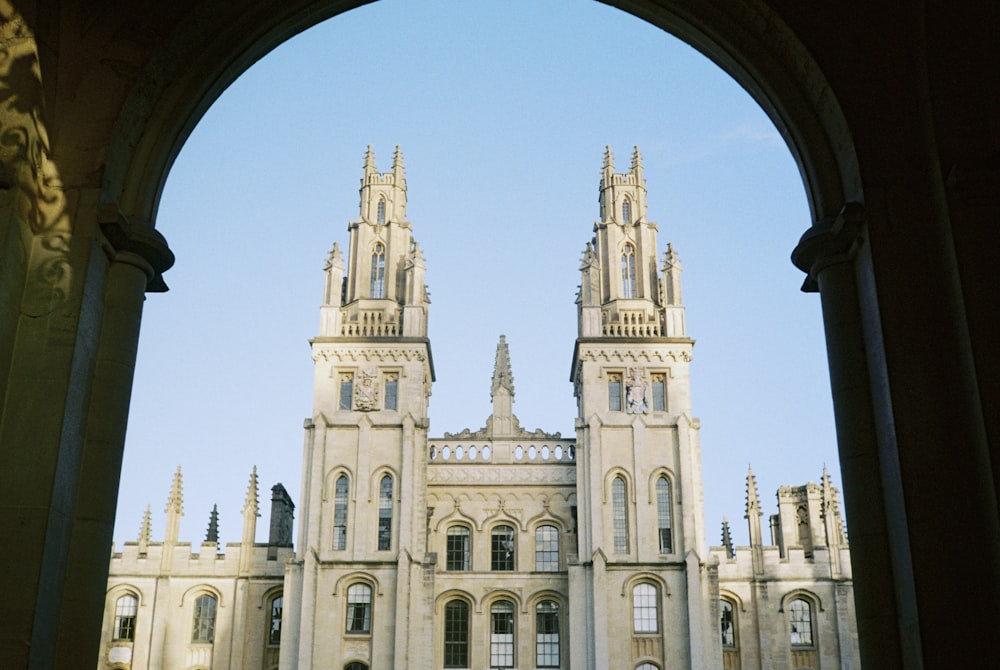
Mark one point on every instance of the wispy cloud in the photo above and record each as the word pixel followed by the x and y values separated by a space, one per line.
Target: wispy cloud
pixel 748 134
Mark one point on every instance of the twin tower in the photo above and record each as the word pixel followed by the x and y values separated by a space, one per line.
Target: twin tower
pixel 500 547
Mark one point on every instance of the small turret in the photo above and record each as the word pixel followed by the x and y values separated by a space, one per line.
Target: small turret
pixel 282 515
pixel 212 534
pixel 727 540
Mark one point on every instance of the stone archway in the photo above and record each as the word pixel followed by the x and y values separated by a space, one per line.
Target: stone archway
pixel 97 102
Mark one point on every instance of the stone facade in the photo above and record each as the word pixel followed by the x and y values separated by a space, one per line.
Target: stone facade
pixel 498 547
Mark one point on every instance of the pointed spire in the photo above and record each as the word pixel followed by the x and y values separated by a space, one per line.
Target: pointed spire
pixel 753 500
pixel 502 375
pixel 727 539
pixel 397 161
pixel 251 501
pixel 146 531
pixel 175 507
pixel 212 534
pixel 369 160
pixel 609 159
pixel 334 257
pixel 636 162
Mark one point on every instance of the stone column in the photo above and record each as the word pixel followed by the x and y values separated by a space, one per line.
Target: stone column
pixel 137 256
pixel 827 253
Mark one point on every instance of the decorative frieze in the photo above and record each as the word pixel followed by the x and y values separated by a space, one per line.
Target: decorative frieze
pixel 501 475
pixel 381 355
pixel 628 355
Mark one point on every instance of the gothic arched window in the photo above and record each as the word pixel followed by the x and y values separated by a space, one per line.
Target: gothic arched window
pixel 274 622
pixel 628 271
pixel 380 212
pixel 359 608
pixel 126 609
pixel 664 503
pixel 204 619
pixel 456 634
pixel 502 554
pixel 645 601
pixel 385 514
pixel 378 271
pixel 547 549
pixel 458 555
pixel 547 634
pixel 800 623
pixel 502 634
pixel 340 513
pixel 727 624
pixel 626 211
pixel 619 520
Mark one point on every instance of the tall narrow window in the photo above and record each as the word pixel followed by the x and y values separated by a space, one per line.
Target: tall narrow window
pixel 615 392
pixel 378 271
pixel 628 271
pixel 346 390
pixel 126 609
pixel 664 504
pixel 619 515
pixel 385 514
pixel 502 635
pixel 458 556
pixel 659 392
pixel 626 211
pixel 340 513
pixel 547 634
pixel 800 623
pixel 547 549
pixel 456 634
pixel 204 619
pixel 391 390
pixel 644 609
pixel 380 212
pixel 274 622
pixel 359 608
pixel 727 624
pixel 502 553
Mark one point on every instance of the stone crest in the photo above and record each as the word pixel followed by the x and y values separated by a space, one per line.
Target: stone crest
pixel 636 388
pixel 366 389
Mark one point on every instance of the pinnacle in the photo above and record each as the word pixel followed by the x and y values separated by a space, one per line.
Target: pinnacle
pixel 503 377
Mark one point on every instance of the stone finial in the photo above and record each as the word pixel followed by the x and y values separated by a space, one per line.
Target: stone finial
pixel 175 500
pixel 175 507
pixel 397 162
pixel 334 258
pixel 753 500
pixel 251 501
pixel 146 531
pixel 609 160
pixel 727 540
pixel 503 377
pixel 636 161
pixel 589 258
pixel 212 534
pixel 369 160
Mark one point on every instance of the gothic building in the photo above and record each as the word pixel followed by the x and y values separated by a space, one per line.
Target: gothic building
pixel 499 547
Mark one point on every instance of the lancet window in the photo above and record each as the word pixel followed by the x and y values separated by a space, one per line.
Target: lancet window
pixel 359 608
pixel 645 602
pixel 340 513
pixel 385 514
pixel 126 609
pixel 619 515
pixel 800 623
pixel 204 619
pixel 628 271
pixel 456 634
pixel 378 271
pixel 664 503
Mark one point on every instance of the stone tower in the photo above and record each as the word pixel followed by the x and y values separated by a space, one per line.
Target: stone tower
pixel 364 463
pixel 638 461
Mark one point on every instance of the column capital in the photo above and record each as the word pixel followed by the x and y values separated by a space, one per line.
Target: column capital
pixel 138 239
pixel 829 241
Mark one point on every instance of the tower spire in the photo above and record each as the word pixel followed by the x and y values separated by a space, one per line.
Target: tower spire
pixel 727 539
pixel 145 531
pixel 175 507
pixel 502 391
pixel 250 514
pixel 397 164
pixel 636 167
pixel 369 163
pixel 753 513
pixel 212 534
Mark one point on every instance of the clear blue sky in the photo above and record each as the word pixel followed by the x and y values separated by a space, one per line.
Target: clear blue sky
pixel 503 110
